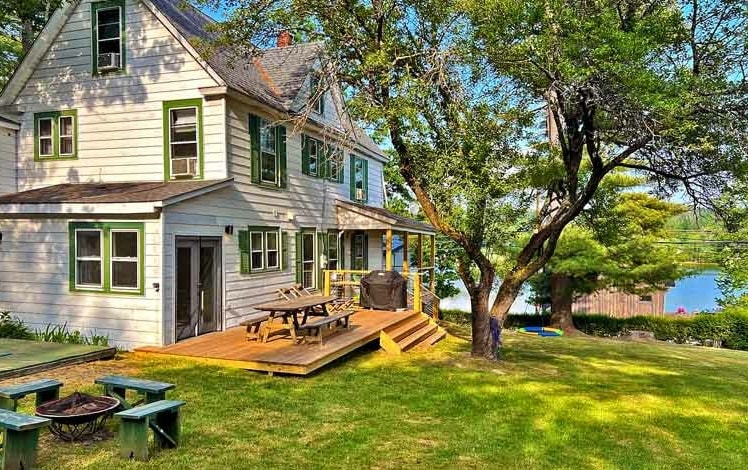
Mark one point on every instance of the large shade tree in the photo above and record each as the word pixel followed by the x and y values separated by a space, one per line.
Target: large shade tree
pixel 462 89
pixel 616 243
pixel 20 23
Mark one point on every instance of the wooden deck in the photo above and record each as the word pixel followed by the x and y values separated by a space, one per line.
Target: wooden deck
pixel 230 348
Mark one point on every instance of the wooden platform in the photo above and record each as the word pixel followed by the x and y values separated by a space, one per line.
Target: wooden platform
pixel 20 357
pixel 230 348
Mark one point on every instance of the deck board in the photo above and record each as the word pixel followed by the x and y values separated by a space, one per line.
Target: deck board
pixel 230 348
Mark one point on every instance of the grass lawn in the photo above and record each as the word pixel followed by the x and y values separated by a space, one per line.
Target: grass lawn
pixel 554 403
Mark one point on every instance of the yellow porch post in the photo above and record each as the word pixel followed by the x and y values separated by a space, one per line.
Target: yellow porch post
pixel 388 251
pixel 419 254
pixel 406 263
pixel 417 303
pixel 432 280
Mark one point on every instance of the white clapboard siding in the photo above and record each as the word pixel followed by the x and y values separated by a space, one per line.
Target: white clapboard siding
pixel 207 216
pixel 120 118
pixel 7 160
pixel 34 274
pixel 310 199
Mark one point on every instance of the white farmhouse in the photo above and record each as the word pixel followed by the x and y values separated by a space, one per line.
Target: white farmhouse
pixel 152 193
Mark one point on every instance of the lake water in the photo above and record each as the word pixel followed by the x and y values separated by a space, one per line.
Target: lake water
pixel 698 292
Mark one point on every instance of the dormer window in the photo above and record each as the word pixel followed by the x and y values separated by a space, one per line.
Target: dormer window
pixel 317 96
pixel 108 32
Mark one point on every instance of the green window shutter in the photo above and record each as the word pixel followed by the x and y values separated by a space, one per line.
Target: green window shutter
pixel 322 249
pixel 254 144
pixel 352 182
pixel 244 251
pixel 305 154
pixel 297 258
pixel 341 168
pixel 284 251
pixel 366 180
pixel 280 135
pixel 366 250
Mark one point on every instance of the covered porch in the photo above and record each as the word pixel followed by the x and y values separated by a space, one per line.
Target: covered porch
pixel 378 239
pixel 406 245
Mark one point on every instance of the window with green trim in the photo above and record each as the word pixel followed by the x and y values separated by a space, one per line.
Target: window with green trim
pixel 107 257
pixel 56 135
pixel 183 139
pixel 268 152
pixel 321 160
pixel 333 250
pixel 108 36
pixel 262 249
pixel 359 181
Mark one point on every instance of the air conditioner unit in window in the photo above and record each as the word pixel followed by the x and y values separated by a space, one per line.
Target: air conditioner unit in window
pixel 360 194
pixel 108 61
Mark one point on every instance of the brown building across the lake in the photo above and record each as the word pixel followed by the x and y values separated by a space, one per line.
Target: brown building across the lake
pixel 621 304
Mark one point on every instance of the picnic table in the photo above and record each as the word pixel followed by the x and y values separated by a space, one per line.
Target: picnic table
pixel 288 310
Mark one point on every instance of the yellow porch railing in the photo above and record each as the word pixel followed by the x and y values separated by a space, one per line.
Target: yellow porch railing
pixel 347 284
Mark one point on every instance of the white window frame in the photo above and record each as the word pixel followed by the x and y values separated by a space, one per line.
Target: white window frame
pixel 316 96
pixel 264 124
pixel 51 136
pixel 100 259
pixel 60 136
pixel 119 33
pixel 196 142
pixel 276 250
pixel 112 259
pixel 253 251
pixel 336 159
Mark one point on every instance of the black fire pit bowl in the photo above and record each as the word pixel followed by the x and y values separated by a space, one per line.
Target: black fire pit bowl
pixel 77 416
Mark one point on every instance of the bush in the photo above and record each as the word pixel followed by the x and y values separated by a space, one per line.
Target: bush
pixel 12 327
pixel 62 334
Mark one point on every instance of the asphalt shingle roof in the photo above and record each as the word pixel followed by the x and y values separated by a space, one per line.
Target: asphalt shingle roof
pixel 274 76
pixel 101 193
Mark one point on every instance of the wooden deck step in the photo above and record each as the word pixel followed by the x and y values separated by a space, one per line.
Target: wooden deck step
pixel 439 335
pixel 405 329
pixel 415 338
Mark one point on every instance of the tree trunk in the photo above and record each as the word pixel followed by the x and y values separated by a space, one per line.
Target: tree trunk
pixel 481 323
pixel 27 34
pixel 562 299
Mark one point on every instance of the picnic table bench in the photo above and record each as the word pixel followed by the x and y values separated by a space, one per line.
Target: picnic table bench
pixel 20 439
pixel 44 389
pixel 162 417
pixel 253 325
pixel 330 323
pixel 116 386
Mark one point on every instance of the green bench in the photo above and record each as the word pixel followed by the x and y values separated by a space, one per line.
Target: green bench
pixel 161 416
pixel 116 386
pixel 20 439
pixel 45 390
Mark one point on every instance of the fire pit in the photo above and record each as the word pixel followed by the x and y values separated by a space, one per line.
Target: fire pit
pixel 77 416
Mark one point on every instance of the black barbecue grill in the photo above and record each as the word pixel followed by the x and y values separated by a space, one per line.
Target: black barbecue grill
pixel 384 290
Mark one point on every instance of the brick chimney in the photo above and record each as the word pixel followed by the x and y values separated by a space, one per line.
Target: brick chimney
pixel 284 39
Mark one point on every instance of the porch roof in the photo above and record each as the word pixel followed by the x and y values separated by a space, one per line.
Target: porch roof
pixel 353 216
pixel 109 198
